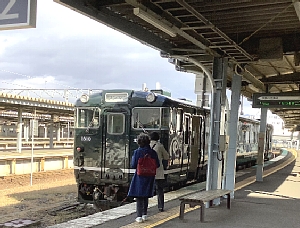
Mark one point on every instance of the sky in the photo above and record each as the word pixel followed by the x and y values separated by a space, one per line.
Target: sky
pixel 68 50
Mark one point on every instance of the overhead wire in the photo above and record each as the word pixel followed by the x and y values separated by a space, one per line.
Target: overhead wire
pixel 265 24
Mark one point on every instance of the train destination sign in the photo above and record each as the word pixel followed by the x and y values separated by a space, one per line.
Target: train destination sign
pixel 17 14
pixel 275 100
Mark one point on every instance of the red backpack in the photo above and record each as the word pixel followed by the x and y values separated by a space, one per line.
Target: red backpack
pixel 146 166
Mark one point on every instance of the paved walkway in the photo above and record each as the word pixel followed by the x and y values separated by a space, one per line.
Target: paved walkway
pixel 275 203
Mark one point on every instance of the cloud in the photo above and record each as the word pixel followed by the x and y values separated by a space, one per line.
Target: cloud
pixel 69 50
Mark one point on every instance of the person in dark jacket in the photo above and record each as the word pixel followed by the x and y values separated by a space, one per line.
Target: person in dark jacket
pixel 142 187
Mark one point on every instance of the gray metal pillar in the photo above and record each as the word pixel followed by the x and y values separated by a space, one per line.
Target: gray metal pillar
pixel 292 135
pixel 58 130
pixel 261 144
pixel 51 128
pixel 219 76
pixel 202 89
pixel 230 161
pixel 26 130
pixel 19 131
pixel 45 131
pixel 199 88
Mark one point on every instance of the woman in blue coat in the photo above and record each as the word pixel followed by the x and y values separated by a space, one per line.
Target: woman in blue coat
pixel 142 187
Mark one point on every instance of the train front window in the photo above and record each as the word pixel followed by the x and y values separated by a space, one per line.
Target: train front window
pixel 150 118
pixel 87 117
pixel 146 118
pixel 115 123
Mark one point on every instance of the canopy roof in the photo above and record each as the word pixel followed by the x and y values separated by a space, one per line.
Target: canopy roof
pixel 260 38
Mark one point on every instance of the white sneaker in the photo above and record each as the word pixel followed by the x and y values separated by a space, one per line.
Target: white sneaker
pixel 139 219
pixel 145 217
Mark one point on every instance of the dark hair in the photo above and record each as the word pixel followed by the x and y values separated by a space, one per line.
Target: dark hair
pixel 143 140
pixel 154 136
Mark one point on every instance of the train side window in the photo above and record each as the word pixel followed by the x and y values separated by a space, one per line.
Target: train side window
pixel 187 130
pixel 115 123
pixel 173 119
pixel 165 119
pixel 179 123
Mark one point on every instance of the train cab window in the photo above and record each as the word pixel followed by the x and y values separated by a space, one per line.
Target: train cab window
pixel 87 117
pixel 115 123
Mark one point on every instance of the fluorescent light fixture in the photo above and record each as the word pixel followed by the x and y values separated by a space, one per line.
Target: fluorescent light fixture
pixel 154 21
pixel 297 7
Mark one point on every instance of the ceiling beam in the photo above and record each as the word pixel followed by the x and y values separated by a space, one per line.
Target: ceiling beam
pixel 282 79
pixel 290 43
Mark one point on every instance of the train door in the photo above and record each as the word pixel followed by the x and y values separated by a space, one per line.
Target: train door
pixel 115 146
pixel 196 149
pixel 186 146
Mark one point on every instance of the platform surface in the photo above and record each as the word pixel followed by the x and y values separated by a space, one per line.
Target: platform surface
pixel 274 202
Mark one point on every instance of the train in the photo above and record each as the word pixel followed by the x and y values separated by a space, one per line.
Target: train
pixel 106 126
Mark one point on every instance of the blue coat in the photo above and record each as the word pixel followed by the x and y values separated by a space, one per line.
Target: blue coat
pixel 142 186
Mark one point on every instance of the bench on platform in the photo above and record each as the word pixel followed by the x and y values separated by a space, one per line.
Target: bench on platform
pixel 200 198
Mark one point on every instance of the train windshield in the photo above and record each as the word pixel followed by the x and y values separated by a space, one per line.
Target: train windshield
pixel 87 117
pixel 150 118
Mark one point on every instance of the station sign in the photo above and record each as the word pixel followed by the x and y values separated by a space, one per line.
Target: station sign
pixel 17 14
pixel 275 100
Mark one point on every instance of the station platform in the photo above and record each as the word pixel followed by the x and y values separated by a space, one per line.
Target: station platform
pixel 18 163
pixel 274 202
pixel 37 152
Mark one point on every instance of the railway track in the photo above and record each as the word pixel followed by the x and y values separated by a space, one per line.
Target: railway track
pixel 51 199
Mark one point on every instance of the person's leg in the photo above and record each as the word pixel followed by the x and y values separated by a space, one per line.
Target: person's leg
pixel 160 193
pixel 139 206
pixel 145 208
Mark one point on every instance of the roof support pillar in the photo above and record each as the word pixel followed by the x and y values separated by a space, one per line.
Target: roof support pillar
pixel 215 155
pixel 261 144
pixel 230 158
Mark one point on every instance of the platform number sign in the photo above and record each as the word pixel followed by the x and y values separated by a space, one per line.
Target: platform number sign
pixel 276 100
pixel 16 14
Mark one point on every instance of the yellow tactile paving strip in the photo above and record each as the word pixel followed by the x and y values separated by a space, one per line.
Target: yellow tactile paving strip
pixel 174 212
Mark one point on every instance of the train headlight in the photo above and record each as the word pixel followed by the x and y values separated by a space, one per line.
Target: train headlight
pixel 151 97
pixel 84 98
